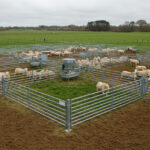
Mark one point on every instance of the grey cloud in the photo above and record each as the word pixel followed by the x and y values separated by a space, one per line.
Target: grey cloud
pixel 64 12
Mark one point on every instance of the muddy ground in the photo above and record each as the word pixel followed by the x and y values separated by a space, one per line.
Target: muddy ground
pixel 127 128
pixel 127 67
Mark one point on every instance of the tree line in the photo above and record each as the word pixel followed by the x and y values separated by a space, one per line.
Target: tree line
pixel 98 25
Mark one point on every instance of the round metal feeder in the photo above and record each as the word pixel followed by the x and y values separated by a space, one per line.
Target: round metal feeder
pixel 70 69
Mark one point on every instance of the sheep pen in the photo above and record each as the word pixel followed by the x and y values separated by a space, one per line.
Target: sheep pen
pixel 71 102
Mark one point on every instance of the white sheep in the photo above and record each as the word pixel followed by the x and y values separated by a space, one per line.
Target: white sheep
pixel 43 73
pixel 144 73
pixel 104 87
pixel 123 59
pixel 105 61
pixel 140 68
pixel 66 53
pixel 20 70
pixel 56 53
pixel 93 49
pixel 83 49
pixel 97 58
pixel 128 74
pixel 134 62
pixel 121 52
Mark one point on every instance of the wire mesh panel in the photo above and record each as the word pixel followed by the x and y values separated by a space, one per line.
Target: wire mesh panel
pixel 46 105
pixel 92 105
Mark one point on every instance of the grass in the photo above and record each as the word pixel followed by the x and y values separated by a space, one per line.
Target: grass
pixel 65 89
pixel 36 37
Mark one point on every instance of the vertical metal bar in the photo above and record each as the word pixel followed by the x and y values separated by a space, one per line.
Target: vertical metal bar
pixel 136 83
pixel 112 104
pixel 28 96
pixel 68 115
pixel 103 75
pixel 142 86
pixel 32 76
pixel 3 86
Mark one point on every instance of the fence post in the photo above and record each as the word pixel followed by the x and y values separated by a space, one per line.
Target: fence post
pixel 145 86
pixel 103 75
pixel 3 87
pixel 32 76
pixel 28 97
pixel 68 115
pixel 142 83
pixel 112 104
pixel 136 86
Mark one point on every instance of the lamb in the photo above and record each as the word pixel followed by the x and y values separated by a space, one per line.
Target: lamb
pixel 37 53
pixel 144 73
pixel 68 53
pixel 47 72
pixel 76 49
pixel 56 53
pixel 31 52
pixel 83 49
pixel 134 62
pixel 42 73
pixel 121 52
pixel 140 68
pixel 20 70
pixel 93 49
pixel 104 87
pixel 128 74
pixel 130 49
pixel 97 58
pixel 108 51
pixel 105 61
pixel 84 62
pixel 123 59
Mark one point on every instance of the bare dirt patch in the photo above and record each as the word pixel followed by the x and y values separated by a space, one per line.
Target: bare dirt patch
pixel 127 128
pixel 126 67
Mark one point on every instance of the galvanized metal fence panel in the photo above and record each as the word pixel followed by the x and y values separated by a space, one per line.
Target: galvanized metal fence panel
pixel 78 110
pixel 46 105
pixel 92 105
pixel 8 63
pixel 147 87
pixel 105 75
pixel 31 77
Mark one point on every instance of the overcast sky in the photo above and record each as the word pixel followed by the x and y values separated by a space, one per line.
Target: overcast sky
pixel 65 12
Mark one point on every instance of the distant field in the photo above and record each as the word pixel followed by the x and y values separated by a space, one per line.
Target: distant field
pixel 37 37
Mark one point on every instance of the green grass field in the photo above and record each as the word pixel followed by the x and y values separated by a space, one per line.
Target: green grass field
pixel 65 89
pixel 37 37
